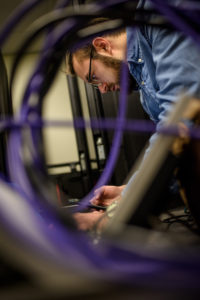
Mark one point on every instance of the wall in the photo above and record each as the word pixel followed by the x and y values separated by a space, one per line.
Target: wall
pixel 60 143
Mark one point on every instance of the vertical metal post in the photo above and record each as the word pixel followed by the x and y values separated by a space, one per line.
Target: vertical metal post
pixel 81 138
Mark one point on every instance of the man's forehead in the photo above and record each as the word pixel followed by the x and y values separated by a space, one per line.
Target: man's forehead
pixel 80 67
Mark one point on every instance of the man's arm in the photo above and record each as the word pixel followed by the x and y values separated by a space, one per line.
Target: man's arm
pixel 106 194
pixel 177 64
pixel 177 69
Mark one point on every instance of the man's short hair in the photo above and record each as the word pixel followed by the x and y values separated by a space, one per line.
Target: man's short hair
pixel 69 64
pixel 84 51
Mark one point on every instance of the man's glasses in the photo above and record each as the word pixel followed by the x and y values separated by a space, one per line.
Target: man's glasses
pixel 91 78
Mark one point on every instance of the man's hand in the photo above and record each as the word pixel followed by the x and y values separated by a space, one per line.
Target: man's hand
pixel 86 221
pixel 106 194
pixel 103 196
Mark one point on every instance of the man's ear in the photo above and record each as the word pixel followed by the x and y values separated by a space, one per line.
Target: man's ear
pixel 102 46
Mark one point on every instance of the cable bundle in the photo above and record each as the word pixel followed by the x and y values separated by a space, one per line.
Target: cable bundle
pixel 26 204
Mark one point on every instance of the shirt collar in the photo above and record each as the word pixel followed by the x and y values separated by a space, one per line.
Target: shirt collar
pixel 133 50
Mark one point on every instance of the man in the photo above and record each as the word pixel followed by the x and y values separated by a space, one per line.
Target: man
pixel 164 63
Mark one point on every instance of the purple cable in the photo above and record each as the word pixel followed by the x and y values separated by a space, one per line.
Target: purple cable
pixel 27 110
pixel 25 113
pixel 126 263
pixel 117 139
pixel 120 264
pixel 50 33
pixel 18 14
pixel 113 154
pixel 66 241
pixel 15 138
pixel 107 172
pixel 15 160
pixel 62 3
pixel 142 126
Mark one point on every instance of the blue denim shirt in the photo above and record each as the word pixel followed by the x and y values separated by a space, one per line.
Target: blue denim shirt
pixel 164 64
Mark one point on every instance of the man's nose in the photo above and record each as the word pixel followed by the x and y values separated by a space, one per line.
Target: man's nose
pixel 103 88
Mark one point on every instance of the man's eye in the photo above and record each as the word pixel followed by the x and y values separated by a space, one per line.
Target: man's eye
pixel 94 78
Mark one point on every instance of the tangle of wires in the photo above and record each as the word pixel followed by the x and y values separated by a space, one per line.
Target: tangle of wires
pixel 51 237
pixel 186 219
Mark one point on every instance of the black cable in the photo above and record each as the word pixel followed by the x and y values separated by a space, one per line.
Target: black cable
pixel 185 219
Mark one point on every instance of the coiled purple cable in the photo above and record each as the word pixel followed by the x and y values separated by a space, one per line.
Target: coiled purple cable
pixel 113 263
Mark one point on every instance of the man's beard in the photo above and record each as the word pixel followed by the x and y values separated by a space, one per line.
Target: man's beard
pixel 116 65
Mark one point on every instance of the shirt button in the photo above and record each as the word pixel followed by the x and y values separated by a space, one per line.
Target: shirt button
pixel 142 83
pixel 139 60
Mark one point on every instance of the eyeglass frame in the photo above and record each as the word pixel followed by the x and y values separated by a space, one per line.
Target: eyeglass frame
pixel 95 85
